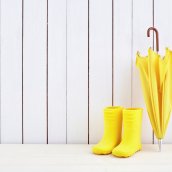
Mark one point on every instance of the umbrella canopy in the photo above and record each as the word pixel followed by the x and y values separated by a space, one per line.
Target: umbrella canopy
pixel 156 80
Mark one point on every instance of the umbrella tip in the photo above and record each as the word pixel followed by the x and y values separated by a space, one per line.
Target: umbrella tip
pixel 159 144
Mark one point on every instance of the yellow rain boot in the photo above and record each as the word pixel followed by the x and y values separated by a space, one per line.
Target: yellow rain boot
pixel 112 131
pixel 131 140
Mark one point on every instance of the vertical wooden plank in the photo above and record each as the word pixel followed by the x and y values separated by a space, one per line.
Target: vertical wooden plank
pixel 11 71
pixel 77 71
pixel 142 20
pixel 57 71
pixel 122 52
pixel 34 71
pixel 100 65
pixel 163 16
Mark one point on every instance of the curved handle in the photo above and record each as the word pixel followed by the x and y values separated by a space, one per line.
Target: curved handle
pixel 157 36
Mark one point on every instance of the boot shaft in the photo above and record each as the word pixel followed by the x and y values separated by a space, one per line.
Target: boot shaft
pixel 132 124
pixel 113 116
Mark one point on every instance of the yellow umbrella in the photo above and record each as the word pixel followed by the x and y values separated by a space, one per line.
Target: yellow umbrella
pixel 156 80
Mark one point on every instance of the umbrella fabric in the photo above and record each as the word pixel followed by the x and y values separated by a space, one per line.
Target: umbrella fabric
pixel 156 80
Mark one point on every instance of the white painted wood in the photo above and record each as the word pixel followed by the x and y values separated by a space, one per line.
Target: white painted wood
pixel 163 16
pixel 100 83
pixel 122 52
pixel 11 71
pixel 127 87
pixel 78 158
pixel 142 20
pixel 77 71
pixel 34 81
pixel 56 71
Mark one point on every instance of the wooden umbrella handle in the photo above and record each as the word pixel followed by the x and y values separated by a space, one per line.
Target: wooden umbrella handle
pixel 157 36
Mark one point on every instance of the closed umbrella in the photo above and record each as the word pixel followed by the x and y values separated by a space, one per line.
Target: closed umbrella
pixel 156 80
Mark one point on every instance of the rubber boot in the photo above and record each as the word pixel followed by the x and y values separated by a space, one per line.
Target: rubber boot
pixel 131 140
pixel 112 131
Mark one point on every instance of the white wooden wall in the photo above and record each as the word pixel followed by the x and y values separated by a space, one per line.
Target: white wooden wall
pixel 63 61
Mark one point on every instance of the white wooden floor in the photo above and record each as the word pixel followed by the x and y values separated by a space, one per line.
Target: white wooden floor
pixel 78 158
